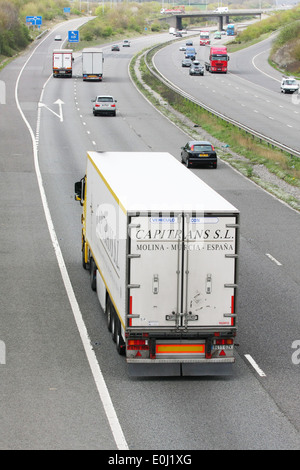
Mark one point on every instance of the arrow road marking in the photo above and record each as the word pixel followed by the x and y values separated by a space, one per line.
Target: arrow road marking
pixel 60 103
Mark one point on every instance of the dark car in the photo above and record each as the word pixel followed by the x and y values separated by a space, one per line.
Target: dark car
pixel 115 47
pixel 196 68
pixel 198 153
pixel 189 42
pixel 186 62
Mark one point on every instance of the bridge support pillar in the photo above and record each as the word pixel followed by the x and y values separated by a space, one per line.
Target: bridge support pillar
pixel 178 22
pixel 220 23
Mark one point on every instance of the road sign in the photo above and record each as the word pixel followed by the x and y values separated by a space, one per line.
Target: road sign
pixel 34 20
pixel 73 36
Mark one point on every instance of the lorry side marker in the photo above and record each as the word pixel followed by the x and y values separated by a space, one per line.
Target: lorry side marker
pixel 91 357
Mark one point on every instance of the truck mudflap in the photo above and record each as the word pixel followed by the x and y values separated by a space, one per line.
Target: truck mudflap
pixel 163 368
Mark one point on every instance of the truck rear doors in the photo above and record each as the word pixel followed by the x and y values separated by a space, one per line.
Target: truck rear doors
pixel 62 62
pixel 181 270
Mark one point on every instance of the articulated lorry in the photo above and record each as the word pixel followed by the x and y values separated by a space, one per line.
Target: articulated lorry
pixel 62 62
pixel 92 64
pixel 216 59
pixel 161 250
pixel 230 30
pixel 204 38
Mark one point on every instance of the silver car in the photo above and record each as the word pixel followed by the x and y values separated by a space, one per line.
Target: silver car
pixel 196 68
pixel 104 104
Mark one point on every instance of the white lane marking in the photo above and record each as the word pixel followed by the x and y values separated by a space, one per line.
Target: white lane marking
pixel 254 365
pixel 261 71
pixel 273 259
pixel 95 368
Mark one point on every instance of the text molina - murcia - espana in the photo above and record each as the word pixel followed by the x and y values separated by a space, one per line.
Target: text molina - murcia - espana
pixel 188 247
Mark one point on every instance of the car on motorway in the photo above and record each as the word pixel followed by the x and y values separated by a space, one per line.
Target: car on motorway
pixel 178 35
pixel 115 47
pixel 126 43
pixel 289 85
pixel 104 104
pixel 182 48
pixel 196 68
pixel 217 35
pixel 199 153
pixel 186 62
pixel 57 37
pixel 189 42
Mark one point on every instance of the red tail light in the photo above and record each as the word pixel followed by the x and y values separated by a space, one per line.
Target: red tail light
pixel 135 344
pixel 224 341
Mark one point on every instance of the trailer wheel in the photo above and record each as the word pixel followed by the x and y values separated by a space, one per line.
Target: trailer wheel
pixel 119 340
pixel 108 313
pixel 114 326
pixel 93 271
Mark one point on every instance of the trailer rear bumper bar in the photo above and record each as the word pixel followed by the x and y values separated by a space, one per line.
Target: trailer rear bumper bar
pixel 163 368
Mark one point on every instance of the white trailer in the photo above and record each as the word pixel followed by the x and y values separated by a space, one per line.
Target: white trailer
pixel 62 62
pixel 161 248
pixel 92 64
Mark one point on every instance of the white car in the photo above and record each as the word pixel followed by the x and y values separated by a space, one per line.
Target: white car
pixel 289 85
pixel 126 43
pixel 104 104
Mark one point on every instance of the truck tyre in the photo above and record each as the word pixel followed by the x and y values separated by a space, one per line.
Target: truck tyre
pixel 108 312
pixel 93 271
pixel 114 325
pixel 119 340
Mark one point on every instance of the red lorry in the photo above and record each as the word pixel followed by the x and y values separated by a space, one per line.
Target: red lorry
pixel 217 59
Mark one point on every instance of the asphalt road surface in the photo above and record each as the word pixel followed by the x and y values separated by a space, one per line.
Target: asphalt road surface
pixel 63 385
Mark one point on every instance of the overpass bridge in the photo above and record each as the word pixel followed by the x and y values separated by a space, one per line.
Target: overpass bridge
pixel 175 19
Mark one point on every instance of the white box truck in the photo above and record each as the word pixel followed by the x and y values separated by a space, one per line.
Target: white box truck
pixel 161 248
pixel 92 64
pixel 62 62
